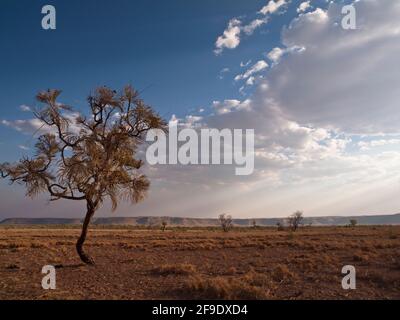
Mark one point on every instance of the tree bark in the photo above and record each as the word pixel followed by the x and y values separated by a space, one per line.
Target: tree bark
pixel 79 245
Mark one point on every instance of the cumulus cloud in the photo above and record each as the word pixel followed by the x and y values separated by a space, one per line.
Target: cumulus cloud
pixel 310 108
pixel 344 79
pixel 230 39
pixel 275 54
pixel 231 36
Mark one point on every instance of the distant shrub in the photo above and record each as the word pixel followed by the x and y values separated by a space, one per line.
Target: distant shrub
pixel 226 222
pixel 353 222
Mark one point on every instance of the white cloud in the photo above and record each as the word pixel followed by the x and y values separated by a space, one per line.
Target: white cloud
pixel 35 126
pixel 272 6
pixel 192 121
pixel 257 67
pixel 245 64
pixel 343 79
pixel 309 106
pixel 367 145
pixel 230 39
pixel 222 73
pixel 230 105
pixel 22 147
pixel 277 53
pixel 24 108
pixel 253 25
pixel 303 7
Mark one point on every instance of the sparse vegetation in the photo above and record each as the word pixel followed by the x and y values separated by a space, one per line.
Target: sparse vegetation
pixel 202 263
pixel 282 273
pixel 221 288
pixel 295 220
pixel 225 221
pixel 163 225
pixel 353 222
pixel 167 269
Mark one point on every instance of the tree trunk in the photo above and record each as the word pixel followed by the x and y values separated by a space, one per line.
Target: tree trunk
pixel 79 245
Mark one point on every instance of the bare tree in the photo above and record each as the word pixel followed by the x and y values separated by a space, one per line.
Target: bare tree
pixel 254 223
pixel 225 221
pixel 295 220
pixel 163 225
pixel 88 159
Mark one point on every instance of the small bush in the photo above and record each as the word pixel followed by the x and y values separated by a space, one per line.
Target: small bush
pixel 353 222
pixel 220 288
pixel 177 269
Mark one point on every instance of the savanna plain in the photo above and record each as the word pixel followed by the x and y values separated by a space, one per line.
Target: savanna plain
pixel 201 263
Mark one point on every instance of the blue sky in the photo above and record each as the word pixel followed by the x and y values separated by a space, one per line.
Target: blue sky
pixel 162 47
pixel 323 101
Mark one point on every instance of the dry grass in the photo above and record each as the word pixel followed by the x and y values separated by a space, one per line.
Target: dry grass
pixel 282 273
pixel 222 288
pixel 177 269
pixel 260 263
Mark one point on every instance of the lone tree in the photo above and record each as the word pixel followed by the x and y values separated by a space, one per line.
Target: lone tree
pixel 295 219
pixel 353 222
pixel 163 225
pixel 225 221
pixel 89 158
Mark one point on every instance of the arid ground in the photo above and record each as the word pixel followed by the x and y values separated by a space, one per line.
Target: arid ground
pixel 244 263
